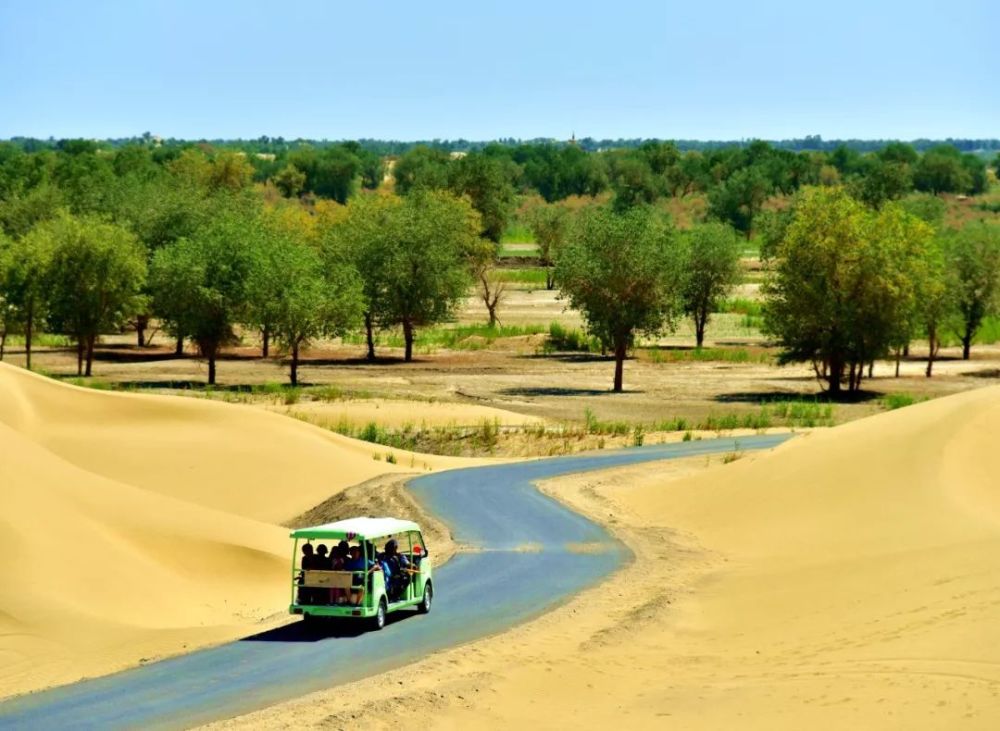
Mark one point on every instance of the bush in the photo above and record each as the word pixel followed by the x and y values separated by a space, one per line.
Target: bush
pixel 894 401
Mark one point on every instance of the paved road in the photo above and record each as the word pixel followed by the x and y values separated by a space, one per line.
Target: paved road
pixel 479 593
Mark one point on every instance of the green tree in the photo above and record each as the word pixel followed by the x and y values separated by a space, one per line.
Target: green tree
pixel 486 181
pixel 415 256
pixel 199 284
pixel 940 170
pixel 25 284
pixel 94 278
pixel 972 255
pixel 739 199
pixel 421 167
pixel 936 297
pixel 8 312
pixel 623 271
pixel 290 181
pixel 312 300
pixel 550 223
pixel 711 268
pixel 843 284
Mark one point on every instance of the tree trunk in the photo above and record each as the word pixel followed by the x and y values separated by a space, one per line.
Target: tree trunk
pixel 265 339
pixel 141 323
pixel 28 328
pixel 3 343
pixel 931 351
pixel 370 336
pixel 621 347
pixel 90 353
pixel 295 364
pixel 408 340
pixel 700 320
pixel 906 350
pixel 833 376
pixel 79 356
pixel 550 279
pixel 871 369
pixel 179 349
pixel 898 354
pixel 967 343
pixel 492 309
pixel 211 369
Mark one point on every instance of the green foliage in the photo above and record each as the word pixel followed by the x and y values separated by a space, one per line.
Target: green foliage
pixel 414 255
pixel 487 183
pixel 421 168
pixel 564 339
pixel 739 199
pixel 973 258
pixel 290 181
pixel 623 272
pixel 200 284
pixel 94 277
pixel 331 172
pixel 711 269
pixel 550 224
pixel 892 401
pixel 845 284
pixel 927 207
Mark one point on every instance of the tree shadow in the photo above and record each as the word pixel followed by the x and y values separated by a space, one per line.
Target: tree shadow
pixel 569 357
pixel 985 373
pixel 324 628
pixel 770 397
pixel 557 391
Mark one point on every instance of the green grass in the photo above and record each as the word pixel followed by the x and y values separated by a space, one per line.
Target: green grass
pixel 530 275
pixel 893 401
pixel 44 340
pixel 567 339
pixel 518 233
pixel 457 337
pixel 723 355
pixel 742 306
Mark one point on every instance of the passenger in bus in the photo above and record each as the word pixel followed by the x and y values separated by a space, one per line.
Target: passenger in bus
pixel 338 557
pixel 357 563
pixel 322 559
pixel 308 562
pixel 397 574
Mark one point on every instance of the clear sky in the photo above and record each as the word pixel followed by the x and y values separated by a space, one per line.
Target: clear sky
pixel 399 69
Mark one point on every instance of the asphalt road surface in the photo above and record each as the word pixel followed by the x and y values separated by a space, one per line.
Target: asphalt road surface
pixel 479 593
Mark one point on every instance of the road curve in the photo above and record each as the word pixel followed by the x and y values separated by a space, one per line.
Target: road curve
pixel 495 508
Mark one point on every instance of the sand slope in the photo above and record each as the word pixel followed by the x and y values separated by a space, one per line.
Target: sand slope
pixel 232 457
pixel 850 579
pixel 133 526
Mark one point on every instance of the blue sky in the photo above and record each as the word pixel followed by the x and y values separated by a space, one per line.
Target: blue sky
pixel 400 69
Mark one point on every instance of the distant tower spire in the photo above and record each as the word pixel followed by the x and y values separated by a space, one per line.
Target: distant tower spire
pixel 572 138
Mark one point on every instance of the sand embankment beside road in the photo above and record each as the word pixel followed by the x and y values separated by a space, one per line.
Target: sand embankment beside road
pixel 134 527
pixel 851 578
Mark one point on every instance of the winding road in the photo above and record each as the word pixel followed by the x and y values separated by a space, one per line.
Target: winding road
pixel 494 508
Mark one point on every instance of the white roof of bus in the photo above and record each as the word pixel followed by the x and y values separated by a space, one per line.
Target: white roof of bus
pixel 365 527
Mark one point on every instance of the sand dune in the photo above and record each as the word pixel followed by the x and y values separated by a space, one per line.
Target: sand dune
pixel 234 458
pixel 850 579
pixel 133 526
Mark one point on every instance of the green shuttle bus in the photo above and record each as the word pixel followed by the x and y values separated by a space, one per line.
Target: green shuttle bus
pixel 364 568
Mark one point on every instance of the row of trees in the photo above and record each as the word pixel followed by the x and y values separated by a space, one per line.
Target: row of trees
pixel 387 262
pixel 737 180
pixel 852 285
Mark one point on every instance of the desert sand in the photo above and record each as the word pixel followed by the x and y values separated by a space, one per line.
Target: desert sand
pixel 134 527
pixel 398 413
pixel 849 579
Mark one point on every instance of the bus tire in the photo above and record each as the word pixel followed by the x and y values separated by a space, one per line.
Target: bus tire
pixel 378 621
pixel 425 604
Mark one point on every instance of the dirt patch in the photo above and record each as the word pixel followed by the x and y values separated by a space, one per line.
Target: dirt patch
pixel 380 496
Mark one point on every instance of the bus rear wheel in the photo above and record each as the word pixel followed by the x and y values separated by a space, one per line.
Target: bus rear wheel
pixel 425 604
pixel 378 621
